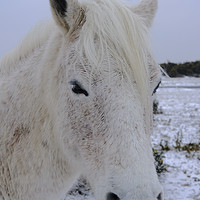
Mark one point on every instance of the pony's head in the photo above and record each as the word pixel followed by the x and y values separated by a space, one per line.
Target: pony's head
pixel 103 82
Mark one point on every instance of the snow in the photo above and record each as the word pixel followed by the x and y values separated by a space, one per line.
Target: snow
pixel 182 181
pixel 180 120
pixel 179 100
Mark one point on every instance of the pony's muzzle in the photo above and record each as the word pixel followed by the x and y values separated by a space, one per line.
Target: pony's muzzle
pixel 112 196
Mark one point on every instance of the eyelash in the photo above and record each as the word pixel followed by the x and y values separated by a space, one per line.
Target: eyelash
pixel 154 91
pixel 77 88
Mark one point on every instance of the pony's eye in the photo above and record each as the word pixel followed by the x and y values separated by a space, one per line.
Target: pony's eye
pixel 154 91
pixel 77 88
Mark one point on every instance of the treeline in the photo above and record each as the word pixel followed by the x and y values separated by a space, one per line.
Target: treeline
pixel 182 69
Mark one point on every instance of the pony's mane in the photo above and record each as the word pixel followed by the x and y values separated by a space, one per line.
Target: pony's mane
pixel 34 39
pixel 116 30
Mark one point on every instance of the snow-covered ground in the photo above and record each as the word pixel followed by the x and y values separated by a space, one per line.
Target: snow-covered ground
pixel 179 100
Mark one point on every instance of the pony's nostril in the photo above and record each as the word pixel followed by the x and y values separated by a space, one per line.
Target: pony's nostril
pixel 112 196
pixel 160 196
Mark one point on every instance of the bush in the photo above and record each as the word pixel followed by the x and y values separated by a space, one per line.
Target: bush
pixel 182 69
pixel 156 108
pixel 82 188
pixel 164 145
pixel 190 147
pixel 159 164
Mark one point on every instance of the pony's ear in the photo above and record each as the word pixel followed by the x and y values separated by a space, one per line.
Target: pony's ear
pixel 68 14
pixel 146 10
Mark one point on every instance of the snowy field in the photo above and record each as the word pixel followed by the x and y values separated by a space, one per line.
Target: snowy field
pixel 177 124
pixel 179 100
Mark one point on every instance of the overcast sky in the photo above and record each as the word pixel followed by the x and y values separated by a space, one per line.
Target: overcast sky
pixel 175 34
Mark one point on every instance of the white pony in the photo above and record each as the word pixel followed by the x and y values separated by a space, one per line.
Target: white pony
pixel 76 99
